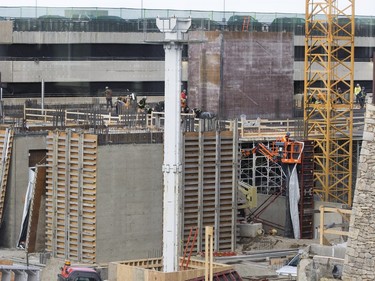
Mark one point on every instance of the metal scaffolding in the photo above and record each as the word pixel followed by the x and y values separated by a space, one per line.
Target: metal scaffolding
pixel 328 95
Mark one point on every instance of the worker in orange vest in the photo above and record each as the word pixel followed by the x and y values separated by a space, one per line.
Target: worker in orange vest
pixel 286 137
pixel 183 101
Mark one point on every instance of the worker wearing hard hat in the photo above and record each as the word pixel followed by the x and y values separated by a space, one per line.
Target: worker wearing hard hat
pixel 357 92
pixel 286 137
pixel 108 97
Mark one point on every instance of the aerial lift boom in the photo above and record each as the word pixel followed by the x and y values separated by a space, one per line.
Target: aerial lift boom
pixel 282 150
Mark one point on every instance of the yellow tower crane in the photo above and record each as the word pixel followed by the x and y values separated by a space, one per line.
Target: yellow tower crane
pixel 328 95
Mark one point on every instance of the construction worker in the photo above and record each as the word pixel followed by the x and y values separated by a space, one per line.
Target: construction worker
pixel 320 99
pixel 64 270
pixel 284 151
pixel 183 101
pixel 286 137
pixel 108 97
pixel 339 94
pixel 357 93
pixel 362 98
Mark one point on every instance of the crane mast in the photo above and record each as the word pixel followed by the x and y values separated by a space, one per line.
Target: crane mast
pixel 328 95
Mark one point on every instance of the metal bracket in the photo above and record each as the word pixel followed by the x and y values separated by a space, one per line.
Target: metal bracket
pixel 166 168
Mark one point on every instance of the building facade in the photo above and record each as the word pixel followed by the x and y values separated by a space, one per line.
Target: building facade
pixel 80 52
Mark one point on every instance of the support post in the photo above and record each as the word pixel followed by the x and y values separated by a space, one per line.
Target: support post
pixel 42 98
pixel 209 254
pixel 321 227
pixel 172 167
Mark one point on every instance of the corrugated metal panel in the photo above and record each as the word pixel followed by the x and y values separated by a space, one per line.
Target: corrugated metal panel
pixel 71 196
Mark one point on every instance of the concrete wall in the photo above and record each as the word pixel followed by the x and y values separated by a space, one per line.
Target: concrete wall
pixel 85 37
pixel 129 201
pixel 17 186
pixel 274 213
pixel 362 71
pixel 234 73
pixel 243 72
pixel 319 262
pixel 81 71
pixel 84 71
pixel 6 30
pixel 129 198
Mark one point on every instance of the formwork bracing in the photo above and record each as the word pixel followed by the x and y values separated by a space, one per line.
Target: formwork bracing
pixel 210 181
pixel 268 177
pixel 328 106
pixel 71 196
pixel 6 143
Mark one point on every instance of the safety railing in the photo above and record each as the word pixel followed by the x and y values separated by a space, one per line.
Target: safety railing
pixel 247 129
pixel 264 128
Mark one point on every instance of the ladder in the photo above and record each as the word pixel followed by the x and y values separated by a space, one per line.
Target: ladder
pixel 189 247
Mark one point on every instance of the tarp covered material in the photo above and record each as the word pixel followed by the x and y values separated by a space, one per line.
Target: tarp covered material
pixel 294 195
pixel 26 209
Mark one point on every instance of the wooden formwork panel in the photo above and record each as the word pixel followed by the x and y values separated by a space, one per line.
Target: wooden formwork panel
pixel 71 196
pixel 210 187
pixel 6 144
pixel 150 269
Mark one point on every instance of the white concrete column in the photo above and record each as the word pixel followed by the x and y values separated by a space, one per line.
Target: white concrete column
pixel 172 167
pixel 172 157
pixel 42 95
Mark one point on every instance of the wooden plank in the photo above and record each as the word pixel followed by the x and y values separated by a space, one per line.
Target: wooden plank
pixel 6 144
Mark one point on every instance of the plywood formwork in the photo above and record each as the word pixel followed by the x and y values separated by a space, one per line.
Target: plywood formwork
pixel 211 164
pixel 6 144
pixel 71 196
pixel 150 269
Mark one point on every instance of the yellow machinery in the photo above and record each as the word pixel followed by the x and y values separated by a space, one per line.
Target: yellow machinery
pixel 328 95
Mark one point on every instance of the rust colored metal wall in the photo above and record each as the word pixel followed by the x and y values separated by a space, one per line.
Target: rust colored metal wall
pixel 234 73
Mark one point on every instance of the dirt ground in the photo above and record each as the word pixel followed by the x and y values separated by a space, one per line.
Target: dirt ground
pixel 273 242
pixel 264 270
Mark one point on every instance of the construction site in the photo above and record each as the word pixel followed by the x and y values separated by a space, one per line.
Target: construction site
pixel 246 178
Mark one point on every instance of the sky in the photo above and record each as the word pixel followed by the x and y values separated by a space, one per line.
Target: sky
pixel 362 7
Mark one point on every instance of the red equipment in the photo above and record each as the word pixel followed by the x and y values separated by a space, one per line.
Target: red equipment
pixel 282 150
pixel 73 273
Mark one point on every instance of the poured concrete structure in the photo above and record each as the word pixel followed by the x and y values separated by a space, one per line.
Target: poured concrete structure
pixel 104 199
pixel 129 201
pixel 128 197
pixel 235 73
